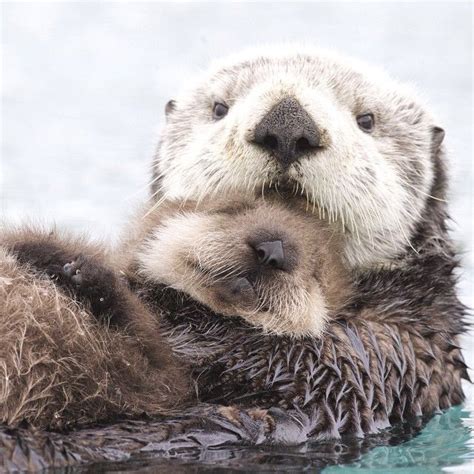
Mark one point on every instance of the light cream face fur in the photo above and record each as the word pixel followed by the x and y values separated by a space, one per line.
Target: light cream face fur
pixel 374 185
pixel 208 254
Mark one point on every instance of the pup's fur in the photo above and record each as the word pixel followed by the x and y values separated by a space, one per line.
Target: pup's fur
pixel 61 365
pixel 80 347
pixel 204 250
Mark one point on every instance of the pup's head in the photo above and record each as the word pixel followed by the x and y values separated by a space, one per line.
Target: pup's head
pixel 278 268
pixel 359 146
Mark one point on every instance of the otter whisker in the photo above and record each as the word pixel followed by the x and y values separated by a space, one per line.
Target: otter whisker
pixel 423 193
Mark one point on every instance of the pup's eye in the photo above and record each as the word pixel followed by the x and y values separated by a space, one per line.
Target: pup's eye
pixel 219 111
pixel 365 122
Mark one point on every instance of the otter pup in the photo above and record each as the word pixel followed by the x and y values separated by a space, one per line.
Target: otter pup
pixel 276 266
pixel 260 261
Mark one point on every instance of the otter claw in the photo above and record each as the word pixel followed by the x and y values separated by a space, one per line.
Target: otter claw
pixel 73 273
pixel 77 279
pixel 68 269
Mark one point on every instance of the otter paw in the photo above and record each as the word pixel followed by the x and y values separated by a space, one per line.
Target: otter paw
pixel 238 290
pixel 91 282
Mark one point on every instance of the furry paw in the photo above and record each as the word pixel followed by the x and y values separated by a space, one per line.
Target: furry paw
pixel 78 270
pixel 92 283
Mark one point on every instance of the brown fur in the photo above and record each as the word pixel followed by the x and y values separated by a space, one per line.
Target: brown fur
pixel 60 366
pixel 390 355
pixel 203 249
pixel 76 354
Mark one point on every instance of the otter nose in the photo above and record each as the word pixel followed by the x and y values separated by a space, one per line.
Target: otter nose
pixel 288 132
pixel 271 254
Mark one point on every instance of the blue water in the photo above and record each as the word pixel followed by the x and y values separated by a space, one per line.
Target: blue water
pixel 84 85
pixel 445 445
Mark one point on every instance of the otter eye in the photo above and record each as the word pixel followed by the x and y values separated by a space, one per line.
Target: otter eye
pixel 219 111
pixel 365 122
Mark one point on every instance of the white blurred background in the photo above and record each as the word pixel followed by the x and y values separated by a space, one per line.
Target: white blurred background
pixel 84 87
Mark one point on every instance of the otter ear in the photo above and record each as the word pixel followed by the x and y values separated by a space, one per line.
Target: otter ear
pixel 438 137
pixel 170 106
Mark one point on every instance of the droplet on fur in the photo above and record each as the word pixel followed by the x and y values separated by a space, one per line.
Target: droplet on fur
pixel 101 299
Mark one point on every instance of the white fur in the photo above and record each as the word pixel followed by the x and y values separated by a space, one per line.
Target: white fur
pixel 360 180
pixel 161 257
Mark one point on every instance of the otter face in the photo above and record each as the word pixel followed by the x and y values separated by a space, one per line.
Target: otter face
pixel 357 145
pixel 277 268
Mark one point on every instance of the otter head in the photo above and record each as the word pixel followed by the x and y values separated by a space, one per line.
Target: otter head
pixel 357 145
pixel 278 268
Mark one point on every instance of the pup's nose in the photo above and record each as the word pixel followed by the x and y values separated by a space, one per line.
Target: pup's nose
pixel 288 132
pixel 271 254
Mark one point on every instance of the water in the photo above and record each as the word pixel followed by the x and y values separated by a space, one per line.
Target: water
pixel 84 86
pixel 445 445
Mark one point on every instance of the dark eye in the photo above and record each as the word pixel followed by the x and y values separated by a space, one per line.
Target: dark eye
pixel 219 111
pixel 365 122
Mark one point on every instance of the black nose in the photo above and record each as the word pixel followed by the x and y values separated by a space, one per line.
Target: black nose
pixel 271 254
pixel 288 132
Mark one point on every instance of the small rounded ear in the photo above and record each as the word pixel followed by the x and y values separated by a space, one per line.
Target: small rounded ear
pixel 438 137
pixel 170 106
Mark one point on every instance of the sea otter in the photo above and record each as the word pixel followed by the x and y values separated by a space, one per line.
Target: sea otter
pixel 360 147
pixel 79 345
pixel 363 151
pixel 367 156
pixel 274 265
